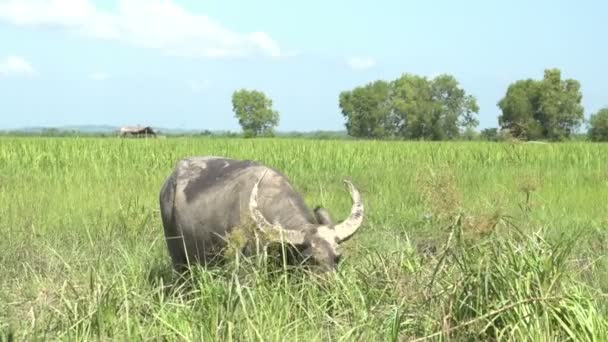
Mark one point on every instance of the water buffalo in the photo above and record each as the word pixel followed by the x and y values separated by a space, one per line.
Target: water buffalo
pixel 206 199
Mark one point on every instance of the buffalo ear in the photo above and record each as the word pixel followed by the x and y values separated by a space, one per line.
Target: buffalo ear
pixel 323 216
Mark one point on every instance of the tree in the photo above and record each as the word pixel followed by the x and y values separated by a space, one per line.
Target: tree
pixel 470 134
pixel 413 106
pixel 454 109
pixel 368 110
pixel 410 107
pixel 561 109
pixel 598 125
pixel 489 134
pixel 519 110
pixel 254 111
pixel 550 108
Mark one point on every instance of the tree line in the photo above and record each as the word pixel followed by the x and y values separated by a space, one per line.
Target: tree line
pixel 415 107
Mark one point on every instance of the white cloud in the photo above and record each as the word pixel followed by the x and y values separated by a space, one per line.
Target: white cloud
pixel 16 65
pixel 361 63
pixel 99 76
pixel 197 87
pixel 156 24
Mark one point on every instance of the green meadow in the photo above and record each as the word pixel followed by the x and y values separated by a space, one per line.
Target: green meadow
pixel 460 241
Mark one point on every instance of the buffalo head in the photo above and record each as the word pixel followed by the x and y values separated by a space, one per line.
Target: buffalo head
pixel 318 243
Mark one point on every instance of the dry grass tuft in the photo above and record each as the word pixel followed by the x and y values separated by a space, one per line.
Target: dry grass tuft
pixel 440 192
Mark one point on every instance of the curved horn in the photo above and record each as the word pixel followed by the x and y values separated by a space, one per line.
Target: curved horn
pixel 277 233
pixel 348 227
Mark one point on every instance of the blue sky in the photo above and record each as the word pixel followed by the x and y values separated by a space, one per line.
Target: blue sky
pixel 176 63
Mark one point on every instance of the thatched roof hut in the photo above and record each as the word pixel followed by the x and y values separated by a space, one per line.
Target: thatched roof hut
pixel 137 131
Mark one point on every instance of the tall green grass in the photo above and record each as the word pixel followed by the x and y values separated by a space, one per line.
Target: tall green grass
pixel 461 240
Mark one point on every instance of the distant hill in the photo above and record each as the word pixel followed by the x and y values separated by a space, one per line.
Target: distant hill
pixel 97 129
pixel 83 129
pixel 91 128
pixel 111 130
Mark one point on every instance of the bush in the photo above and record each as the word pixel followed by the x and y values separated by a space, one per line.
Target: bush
pixel 598 123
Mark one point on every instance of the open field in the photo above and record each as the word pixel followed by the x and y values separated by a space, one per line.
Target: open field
pixel 471 239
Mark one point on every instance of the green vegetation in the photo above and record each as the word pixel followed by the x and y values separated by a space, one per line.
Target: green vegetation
pixel 598 125
pixel 410 107
pixel 254 111
pixel 475 240
pixel 414 107
pixel 546 109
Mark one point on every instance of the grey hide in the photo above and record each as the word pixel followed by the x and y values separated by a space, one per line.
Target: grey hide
pixel 206 198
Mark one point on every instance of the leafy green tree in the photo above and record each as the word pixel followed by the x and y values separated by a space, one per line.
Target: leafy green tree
pixel 550 108
pixel 413 106
pixel 254 111
pixel 598 126
pixel 519 110
pixel 561 109
pixel 454 109
pixel 490 134
pixel 368 110
pixel 410 107
pixel 470 134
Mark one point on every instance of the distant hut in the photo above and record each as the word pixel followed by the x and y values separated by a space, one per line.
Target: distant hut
pixel 138 131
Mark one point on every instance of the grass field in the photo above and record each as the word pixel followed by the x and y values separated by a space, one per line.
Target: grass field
pixel 471 241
